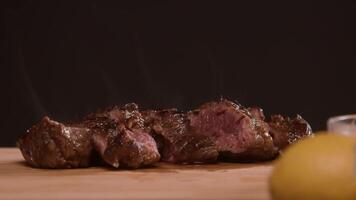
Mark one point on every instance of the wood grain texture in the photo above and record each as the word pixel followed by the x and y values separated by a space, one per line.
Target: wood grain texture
pixel 165 181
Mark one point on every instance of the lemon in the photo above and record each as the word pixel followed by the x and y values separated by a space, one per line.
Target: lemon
pixel 319 168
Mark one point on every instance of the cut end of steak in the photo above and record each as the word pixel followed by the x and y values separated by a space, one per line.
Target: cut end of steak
pixel 178 143
pixel 50 144
pixel 286 131
pixel 129 149
pixel 120 138
pixel 237 134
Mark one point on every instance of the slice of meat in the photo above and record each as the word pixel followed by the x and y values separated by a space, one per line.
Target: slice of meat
pixel 286 131
pixel 178 143
pixel 238 135
pixel 50 144
pixel 126 148
pixel 151 118
pixel 120 138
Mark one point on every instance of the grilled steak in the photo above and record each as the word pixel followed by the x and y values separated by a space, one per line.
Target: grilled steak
pixel 238 135
pixel 120 137
pixel 123 137
pixel 178 143
pixel 285 130
pixel 50 144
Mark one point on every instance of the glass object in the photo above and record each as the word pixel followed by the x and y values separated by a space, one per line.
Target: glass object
pixel 344 125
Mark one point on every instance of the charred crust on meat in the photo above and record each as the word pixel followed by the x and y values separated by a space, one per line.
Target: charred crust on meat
pixel 125 137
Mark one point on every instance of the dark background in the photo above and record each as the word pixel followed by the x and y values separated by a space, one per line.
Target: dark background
pixel 67 58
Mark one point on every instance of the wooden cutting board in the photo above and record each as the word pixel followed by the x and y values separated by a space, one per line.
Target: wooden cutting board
pixel 165 181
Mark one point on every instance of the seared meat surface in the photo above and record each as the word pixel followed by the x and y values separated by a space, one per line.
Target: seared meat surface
pixel 257 113
pixel 120 137
pixel 179 143
pixel 238 135
pixel 50 144
pixel 285 130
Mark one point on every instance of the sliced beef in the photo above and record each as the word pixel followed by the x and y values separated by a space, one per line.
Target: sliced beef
pixel 123 137
pixel 286 131
pixel 179 143
pixel 151 118
pixel 237 134
pixel 120 137
pixel 50 144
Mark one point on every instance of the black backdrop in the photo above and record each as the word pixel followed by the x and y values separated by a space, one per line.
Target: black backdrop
pixel 67 58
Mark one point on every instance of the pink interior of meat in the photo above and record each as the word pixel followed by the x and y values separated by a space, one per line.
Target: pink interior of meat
pixel 230 129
